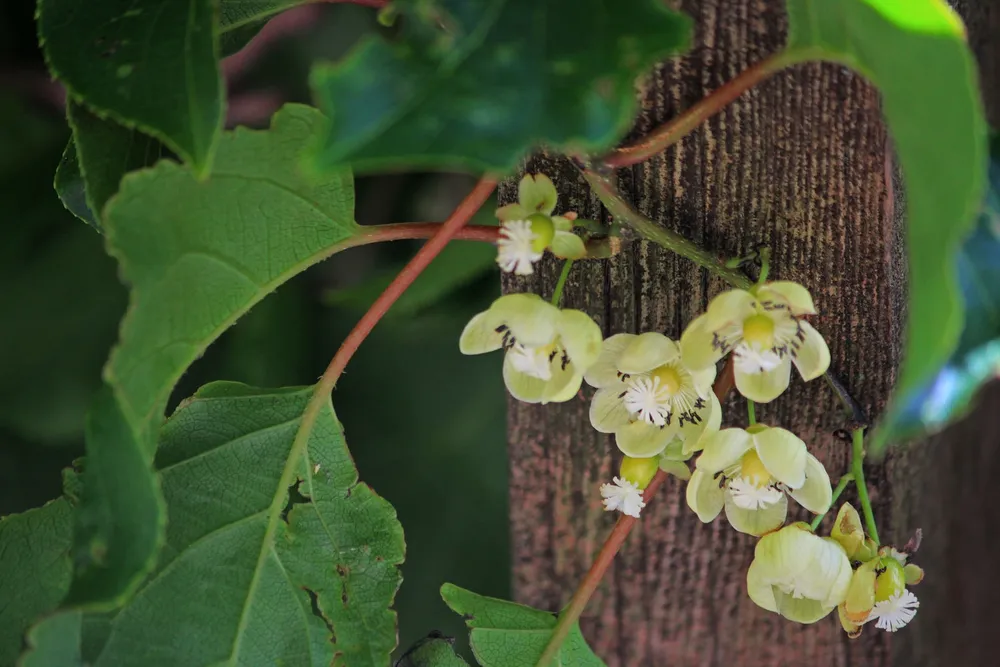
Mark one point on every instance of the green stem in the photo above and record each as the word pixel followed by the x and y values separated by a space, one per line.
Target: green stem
pixel 561 283
pixel 844 481
pixel 649 230
pixel 857 469
pixel 751 412
pixel 765 265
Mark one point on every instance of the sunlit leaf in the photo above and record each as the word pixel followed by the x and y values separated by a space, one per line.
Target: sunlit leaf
pixel 915 52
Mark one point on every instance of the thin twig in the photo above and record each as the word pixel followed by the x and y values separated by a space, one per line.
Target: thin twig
pixel 670 133
pixel 445 232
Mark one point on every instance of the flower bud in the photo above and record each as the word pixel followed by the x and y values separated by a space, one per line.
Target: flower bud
pixel 914 574
pixel 543 230
pixel 890 582
pixel 847 530
pixel 639 471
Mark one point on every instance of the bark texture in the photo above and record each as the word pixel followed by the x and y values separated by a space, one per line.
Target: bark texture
pixel 802 164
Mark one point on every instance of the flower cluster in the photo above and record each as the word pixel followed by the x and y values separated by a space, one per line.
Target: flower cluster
pixel 655 396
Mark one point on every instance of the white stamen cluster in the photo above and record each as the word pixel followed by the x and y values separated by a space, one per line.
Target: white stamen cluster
pixel 624 496
pixel 648 401
pixel 747 495
pixel 896 612
pixel 515 248
pixel 531 361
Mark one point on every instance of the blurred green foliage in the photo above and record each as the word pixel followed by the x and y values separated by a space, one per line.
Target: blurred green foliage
pixel 426 426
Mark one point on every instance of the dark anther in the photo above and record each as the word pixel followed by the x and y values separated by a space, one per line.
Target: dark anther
pixel 622 395
pixel 501 328
pixel 565 360
pixel 552 356
pixel 699 403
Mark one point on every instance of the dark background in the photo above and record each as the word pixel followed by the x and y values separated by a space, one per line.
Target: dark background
pixel 426 425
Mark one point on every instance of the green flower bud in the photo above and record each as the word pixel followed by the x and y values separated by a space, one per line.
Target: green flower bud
pixel 914 574
pixel 639 471
pixel 847 530
pixel 543 229
pixel 890 582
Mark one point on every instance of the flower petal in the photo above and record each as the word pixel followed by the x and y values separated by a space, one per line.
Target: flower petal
pixel 704 496
pixel 800 610
pixel 792 294
pixel 646 352
pixel 563 385
pixel 531 319
pixel 722 449
pixel 812 356
pixel 604 371
pixel 783 454
pixel 567 245
pixel 537 193
pixel 764 387
pixel 730 307
pixel 607 411
pixel 521 386
pixel 562 223
pixel 710 425
pixel 760 589
pixel 580 336
pixel 512 212
pixel 480 334
pixel 756 522
pixel 703 379
pixel 641 440
pixel 698 348
pixel 678 469
pixel 815 494
pixel 709 416
pixel 674 451
pixel 860 597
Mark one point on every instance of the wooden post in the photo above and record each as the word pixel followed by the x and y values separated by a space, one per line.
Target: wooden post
pixel 803 165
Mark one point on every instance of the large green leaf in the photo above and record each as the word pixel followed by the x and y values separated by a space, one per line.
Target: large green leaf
pixel 507 634
pixel 34 570
pixel 478 83
pixel 56 641
pixel 150 64
pixel 915 52
pixel 947 395
pixel 197 254
pixel 253 574
pixel 100 153
pixel 434 651
pixel 240 20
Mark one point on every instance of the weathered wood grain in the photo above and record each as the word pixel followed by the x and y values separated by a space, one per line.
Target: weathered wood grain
pixel 801 164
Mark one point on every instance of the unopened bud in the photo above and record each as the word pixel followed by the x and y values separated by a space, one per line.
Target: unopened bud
pixel 639 471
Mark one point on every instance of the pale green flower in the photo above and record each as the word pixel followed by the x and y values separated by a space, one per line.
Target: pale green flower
pixel 528 228
pixel 748 472
pixel 647 397
pixel 878 592
pixel 798 574
pixel 547 349
pixel 765 331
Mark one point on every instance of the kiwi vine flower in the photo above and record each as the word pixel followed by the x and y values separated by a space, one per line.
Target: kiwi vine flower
pixel 879 593
pixel 548 349
pixel 765 330
pixel 647 397
pixel 749 472
pixel 798 574
pixel 528 228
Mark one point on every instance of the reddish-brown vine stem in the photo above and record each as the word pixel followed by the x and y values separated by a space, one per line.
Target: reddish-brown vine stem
pixel 571 614
pixel 422 230
pixel 443 233
pixel 670 133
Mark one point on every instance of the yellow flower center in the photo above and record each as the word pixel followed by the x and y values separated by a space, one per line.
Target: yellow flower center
pixel 753 470
pixel 758 330
pixel 543 229
pixel 670 378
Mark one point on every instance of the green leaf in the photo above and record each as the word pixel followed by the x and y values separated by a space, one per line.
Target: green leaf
pixel 34 570
pixel 70 187
pixel 947 395
pixel 479 83
pixel 456 266
pixel 248 564
pixel 915 52
pixel 198 254
pixel 150 64
pixel 240 21
pixel 506 634
pixel 434 651
pixel 55 642
pixel 105 152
